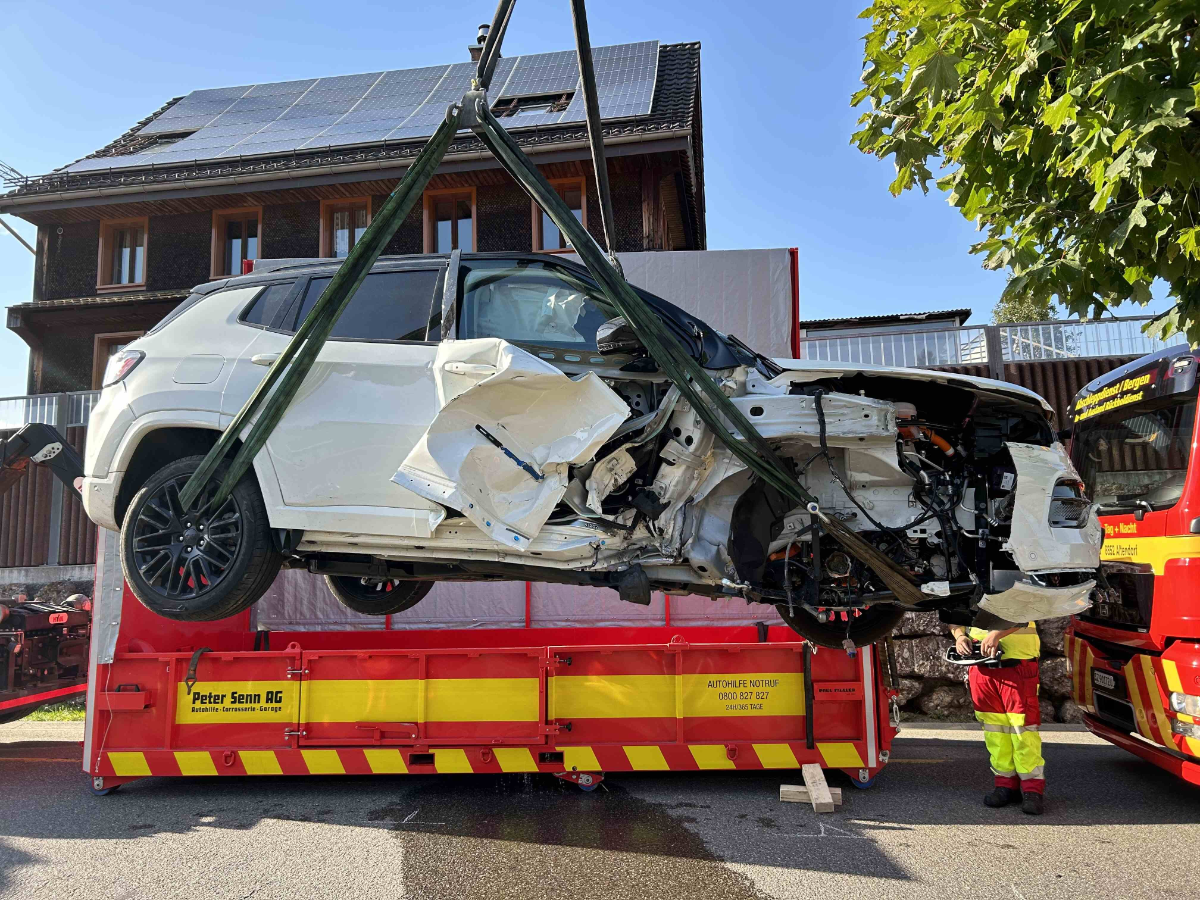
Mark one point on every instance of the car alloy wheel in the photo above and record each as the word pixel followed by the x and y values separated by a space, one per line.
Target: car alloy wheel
pixel 185 553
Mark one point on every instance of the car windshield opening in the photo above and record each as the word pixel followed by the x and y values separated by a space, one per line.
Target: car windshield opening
pixel 1137 458
pixel 530 303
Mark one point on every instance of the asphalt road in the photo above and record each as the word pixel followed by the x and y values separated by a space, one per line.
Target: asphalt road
pixel 1114 827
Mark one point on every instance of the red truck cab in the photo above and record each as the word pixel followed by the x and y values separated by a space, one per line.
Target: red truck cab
pixel 1135 655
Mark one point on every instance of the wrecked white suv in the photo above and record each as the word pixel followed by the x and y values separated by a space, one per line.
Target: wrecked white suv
pixel 489 417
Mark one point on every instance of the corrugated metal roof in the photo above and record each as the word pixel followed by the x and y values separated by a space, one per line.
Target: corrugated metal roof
pixel 943 315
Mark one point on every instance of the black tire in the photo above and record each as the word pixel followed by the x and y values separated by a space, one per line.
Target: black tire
pixel 198 565
pixel 377 596
pixel 876 622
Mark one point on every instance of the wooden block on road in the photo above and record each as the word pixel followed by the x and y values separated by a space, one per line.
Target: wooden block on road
pixel 818 789
pixel 798 793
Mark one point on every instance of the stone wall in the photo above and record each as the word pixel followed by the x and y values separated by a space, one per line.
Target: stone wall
pixel 931 686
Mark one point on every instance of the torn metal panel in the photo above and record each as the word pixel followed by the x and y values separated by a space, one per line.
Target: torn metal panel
pixel 608 475
pixel 1034 544
pixel 1025 602
pixel 509 426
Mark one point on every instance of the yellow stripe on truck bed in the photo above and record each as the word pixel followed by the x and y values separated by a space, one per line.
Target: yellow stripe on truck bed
pixel 446 700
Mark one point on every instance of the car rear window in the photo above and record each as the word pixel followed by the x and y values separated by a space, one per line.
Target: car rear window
pixel 388 306
pixel 267 305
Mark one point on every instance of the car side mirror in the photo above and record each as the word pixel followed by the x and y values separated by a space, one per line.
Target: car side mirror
pixel 617 336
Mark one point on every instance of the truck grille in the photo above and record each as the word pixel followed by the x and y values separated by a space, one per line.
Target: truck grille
pixel 1128 602
pixel 1115 712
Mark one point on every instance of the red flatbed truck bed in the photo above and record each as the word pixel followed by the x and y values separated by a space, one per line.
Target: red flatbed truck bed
pixel 168 699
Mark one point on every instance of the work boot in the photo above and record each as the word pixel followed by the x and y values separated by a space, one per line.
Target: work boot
pixel 1031 803
pixel 1001 796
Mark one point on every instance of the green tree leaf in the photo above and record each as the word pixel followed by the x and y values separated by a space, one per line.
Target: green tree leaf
pixel 936 77
pixel 1060 112
pixel 1136 219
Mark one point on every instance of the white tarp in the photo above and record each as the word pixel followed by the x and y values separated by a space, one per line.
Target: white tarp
pixel 299 601
pixel 746 293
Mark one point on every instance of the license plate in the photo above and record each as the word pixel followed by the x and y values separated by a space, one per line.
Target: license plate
pixel 1104 680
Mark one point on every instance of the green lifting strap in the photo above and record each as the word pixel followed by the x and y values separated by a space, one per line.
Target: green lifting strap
pixel 694 383
pixel 296 361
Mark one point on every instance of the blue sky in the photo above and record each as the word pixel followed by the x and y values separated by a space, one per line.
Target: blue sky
pixel 776 80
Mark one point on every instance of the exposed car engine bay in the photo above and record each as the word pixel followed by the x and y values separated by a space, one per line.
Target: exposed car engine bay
pixel 929 472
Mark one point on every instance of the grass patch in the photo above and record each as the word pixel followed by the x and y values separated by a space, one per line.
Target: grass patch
pixel 70 711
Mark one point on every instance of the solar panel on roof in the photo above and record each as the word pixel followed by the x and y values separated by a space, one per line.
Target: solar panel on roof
pixel 371 107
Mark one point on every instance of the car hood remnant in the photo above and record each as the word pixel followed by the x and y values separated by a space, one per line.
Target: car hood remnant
pixel 1028 602
pixel 509 427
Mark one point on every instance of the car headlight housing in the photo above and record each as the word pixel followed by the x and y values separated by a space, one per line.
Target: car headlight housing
pixel 1188 704
pixel 121 364
pixel 1069 505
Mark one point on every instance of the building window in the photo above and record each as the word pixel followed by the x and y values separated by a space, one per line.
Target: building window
pixel 450 221
pixel 122 262
pixel 237 237
pixel 343 223
pixel 532 106
pixel 104 346
pixel 546 235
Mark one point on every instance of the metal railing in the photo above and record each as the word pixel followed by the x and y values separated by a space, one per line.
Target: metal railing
pixel 1080 340
pixel 1010 343
pixel 17 412
pixel 940 347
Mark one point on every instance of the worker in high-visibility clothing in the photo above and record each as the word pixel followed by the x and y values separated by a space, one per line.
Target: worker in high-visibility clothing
pixel 1006 702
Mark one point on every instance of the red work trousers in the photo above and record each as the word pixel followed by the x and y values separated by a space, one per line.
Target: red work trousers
pixel 1006 702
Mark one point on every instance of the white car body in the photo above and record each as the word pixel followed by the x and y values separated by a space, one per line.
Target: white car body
pixel 461 450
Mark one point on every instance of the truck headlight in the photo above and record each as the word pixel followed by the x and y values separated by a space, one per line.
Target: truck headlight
pixel 1185 703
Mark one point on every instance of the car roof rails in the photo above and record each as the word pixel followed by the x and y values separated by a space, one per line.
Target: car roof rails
pixel 262 266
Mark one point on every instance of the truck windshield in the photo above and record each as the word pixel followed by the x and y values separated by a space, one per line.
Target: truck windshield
pixel 1137 458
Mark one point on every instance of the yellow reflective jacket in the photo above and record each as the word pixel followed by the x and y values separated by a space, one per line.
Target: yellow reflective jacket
pixel 1021 644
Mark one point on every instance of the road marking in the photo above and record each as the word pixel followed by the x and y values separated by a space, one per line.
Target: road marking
pixel 411 819
pixel 827 831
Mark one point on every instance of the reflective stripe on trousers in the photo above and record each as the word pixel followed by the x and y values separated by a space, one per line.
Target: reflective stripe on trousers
pixel 1006 702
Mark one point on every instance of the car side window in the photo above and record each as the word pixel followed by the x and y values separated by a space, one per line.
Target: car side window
pixel 528 302
pixel 388 306
pixel 267 305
